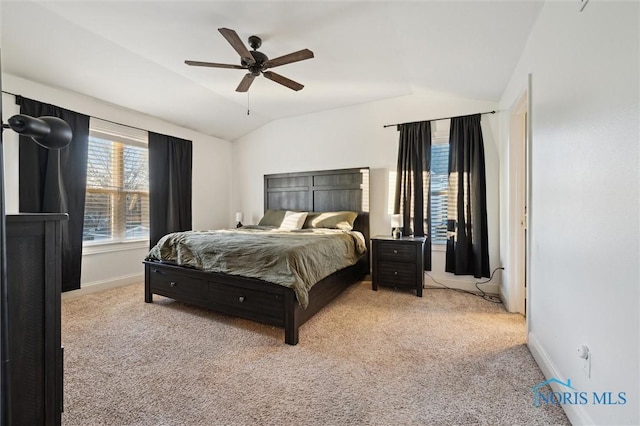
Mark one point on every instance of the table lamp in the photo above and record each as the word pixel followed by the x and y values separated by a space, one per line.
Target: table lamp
pixel 396 224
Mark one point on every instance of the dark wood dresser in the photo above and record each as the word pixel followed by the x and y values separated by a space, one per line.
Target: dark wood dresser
pixel 33 290
pixel 398 262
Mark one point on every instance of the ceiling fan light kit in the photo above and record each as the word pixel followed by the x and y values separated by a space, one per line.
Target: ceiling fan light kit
pixel 256 62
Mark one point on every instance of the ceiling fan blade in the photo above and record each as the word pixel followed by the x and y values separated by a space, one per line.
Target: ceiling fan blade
pixel 246 82
pixel 300 55
pixel 213 65
pixel 237 44
pixel 283 80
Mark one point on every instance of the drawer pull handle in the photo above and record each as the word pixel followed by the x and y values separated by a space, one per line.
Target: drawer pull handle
pixel 395 273
pixel 173 284
pixel 241 299
pixel 395 252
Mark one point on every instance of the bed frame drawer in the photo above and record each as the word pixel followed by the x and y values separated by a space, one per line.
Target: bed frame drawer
pixel 170 285
pixel 253 304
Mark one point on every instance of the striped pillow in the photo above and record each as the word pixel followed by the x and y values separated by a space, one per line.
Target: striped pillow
pixel 293 220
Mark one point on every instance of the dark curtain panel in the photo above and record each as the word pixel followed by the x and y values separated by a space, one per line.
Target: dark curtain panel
pixel 468 246
pixel 170 162
pixel 55 181
pixel 413 183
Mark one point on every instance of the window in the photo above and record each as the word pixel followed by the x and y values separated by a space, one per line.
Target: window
pixel 439 188
pixel 439 185
pixel 117 199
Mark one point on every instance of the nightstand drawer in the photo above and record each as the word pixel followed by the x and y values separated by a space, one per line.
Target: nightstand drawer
pixel 394 252
pixel 397 274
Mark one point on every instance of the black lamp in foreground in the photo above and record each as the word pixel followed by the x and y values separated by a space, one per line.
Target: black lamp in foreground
pixel 51 133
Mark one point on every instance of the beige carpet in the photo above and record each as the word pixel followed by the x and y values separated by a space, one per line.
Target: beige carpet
pixel 370 358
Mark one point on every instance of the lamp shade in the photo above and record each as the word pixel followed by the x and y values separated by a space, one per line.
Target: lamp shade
pixel 239 216
pixel 396 220
pixel 50 132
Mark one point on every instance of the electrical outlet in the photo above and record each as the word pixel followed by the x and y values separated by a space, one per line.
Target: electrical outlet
pixel 585 354
pixel 586 366
pixel 582 3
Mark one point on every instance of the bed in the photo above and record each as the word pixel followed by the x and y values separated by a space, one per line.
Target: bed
pixel 264 301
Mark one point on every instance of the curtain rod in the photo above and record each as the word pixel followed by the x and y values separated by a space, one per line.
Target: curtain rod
pixel 103 119
pixel 436 119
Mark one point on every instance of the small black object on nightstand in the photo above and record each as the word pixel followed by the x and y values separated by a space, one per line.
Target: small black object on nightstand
pixel 398 262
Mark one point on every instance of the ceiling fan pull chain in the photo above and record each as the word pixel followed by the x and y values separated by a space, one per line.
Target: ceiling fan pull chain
pixel 247 103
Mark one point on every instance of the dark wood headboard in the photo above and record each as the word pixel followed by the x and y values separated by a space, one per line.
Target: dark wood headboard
pixel 321 191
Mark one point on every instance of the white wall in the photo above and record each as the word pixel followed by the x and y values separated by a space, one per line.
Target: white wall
pixel 585 199
pixel 211 176
pixel 354 137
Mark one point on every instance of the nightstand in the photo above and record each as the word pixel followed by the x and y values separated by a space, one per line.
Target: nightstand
pixel 398 262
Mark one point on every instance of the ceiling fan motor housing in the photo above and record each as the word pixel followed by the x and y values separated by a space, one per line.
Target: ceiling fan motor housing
pixel 255 68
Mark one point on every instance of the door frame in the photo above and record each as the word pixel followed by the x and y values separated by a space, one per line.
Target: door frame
pixel 519 196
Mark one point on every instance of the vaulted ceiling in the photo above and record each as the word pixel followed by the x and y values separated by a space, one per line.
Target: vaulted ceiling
pixel 131 53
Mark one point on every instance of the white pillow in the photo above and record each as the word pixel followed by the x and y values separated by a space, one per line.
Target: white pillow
pixel 293 220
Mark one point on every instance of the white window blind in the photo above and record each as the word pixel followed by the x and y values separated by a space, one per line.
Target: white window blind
pixel 439 187
pixel 117 199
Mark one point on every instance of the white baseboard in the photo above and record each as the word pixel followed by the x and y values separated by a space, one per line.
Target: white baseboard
pixel 96 286
pixel 505 300
pixel 576 413
pixel 466 283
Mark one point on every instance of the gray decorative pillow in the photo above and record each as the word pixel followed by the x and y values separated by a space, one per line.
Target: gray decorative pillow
pixel 311 216
pixel 332 220
pixel 272 218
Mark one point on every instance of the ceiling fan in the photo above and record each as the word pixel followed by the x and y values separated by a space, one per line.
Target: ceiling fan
pixel 256 62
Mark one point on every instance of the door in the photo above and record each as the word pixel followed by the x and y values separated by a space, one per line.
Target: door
pixel 518 196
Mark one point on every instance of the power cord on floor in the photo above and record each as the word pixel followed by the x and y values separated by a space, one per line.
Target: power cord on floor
pixel 483 294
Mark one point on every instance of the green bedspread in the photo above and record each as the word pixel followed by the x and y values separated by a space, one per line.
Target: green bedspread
pixel 295 259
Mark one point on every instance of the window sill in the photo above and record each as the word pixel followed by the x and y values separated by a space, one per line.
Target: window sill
pixel 98 248
pixel 438 247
